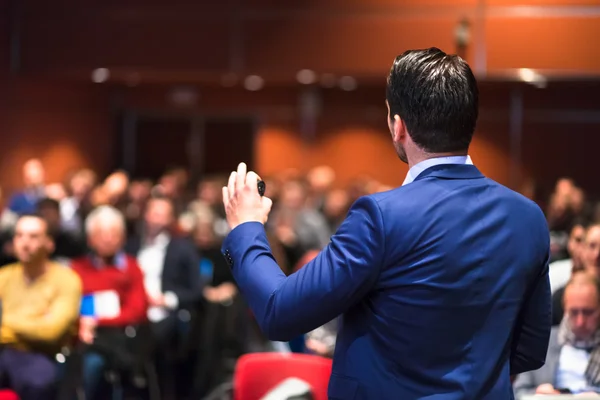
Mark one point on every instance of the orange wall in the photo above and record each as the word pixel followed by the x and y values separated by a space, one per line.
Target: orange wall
pixel 66 126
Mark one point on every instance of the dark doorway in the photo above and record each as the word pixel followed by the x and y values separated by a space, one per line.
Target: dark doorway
pixel 152 143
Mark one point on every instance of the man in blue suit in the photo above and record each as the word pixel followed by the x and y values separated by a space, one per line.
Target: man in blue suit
pixel 442 283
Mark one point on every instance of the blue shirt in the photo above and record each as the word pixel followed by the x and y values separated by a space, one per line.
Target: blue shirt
pixel 430 162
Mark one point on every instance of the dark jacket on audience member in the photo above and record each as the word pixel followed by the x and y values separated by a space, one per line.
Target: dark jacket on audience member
pixel 181 273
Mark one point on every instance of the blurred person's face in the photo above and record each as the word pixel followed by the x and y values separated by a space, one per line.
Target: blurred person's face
pixel 590 252
pixel 293 196
pixel 158 216
pixel 169 185
pixel 56 191
pixel 336 203
pixel 204 234
pixel 564 186
pixel 33 173
pixel 31 241
pixel 577 199
pixel 81 185
pixel 576 244
pixel 321 178
pixel 116 185
pixel 106 238
pixel 140 191
pixel 209 192
pixel 582 309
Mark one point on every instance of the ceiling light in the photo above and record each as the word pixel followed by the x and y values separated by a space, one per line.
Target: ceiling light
pixel 100 75
pixel 254 83
pixel 306 77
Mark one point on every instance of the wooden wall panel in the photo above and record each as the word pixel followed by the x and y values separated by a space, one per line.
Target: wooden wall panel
pixel 304 4
pixel 544 43
pixel 66 126
pixel 351 45
pixel 89 42
pixel 568 3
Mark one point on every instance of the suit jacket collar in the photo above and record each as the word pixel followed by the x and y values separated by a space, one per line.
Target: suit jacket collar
pixel 451 171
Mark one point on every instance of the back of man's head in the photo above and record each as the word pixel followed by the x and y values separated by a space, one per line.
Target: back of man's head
pixel 436 96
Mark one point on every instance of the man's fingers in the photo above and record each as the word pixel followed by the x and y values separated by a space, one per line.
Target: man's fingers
pixel 252 181
pixel 231 184
pixel 225 197
pixel 240 180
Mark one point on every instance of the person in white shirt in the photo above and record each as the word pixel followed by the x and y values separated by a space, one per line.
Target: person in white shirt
pixel 573 359
pixel 171 271
pixel 560 271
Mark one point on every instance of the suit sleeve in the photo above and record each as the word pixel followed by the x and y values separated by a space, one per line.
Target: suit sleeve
pixel 341 275
pixel 532 332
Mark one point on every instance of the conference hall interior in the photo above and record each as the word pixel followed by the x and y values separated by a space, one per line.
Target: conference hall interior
pixel 133 113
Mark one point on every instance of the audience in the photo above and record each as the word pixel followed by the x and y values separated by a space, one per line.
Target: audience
pixel 40 307
pixel 157 290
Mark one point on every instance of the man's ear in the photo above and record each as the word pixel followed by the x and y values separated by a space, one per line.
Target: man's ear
pixel 399 129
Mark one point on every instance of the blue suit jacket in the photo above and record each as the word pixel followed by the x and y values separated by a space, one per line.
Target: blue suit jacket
pixel 442 283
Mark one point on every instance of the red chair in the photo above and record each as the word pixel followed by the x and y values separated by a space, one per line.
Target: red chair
pixel 8 395
pixel 257 373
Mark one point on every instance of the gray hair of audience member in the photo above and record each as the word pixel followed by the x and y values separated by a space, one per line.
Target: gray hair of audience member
pixel 584 278
pixel 105 215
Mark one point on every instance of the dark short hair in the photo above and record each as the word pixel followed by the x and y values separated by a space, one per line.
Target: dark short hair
pixel 436 96
pixel 48 203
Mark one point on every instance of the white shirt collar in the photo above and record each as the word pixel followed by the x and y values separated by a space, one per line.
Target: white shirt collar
pixel 430 162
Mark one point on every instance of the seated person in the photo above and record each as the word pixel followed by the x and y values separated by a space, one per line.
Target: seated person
pixel 114 296
pixel 573 359
pixel 172 282
pixel 67 246
pixel 40 308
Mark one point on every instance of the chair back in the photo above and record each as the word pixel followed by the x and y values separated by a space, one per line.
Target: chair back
pixel 257 373
pixel 8 395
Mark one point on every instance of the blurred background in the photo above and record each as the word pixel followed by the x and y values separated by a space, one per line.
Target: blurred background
pixel 113 102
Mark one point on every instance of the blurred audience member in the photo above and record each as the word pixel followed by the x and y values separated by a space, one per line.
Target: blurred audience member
pixel 320 180
pixel 34 177
pixel 335 208
pixel 220 286
pixel 40 307
pixel 298 227
pixel 66 245
pixel 573 360
pixel 590 261
pixel 171 280
pixel 56 191
pixel 560 271
pixel 114 298
pixel 75 207
pixel 138 194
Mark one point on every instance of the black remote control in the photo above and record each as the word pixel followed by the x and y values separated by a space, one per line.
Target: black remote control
pixel 262 186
